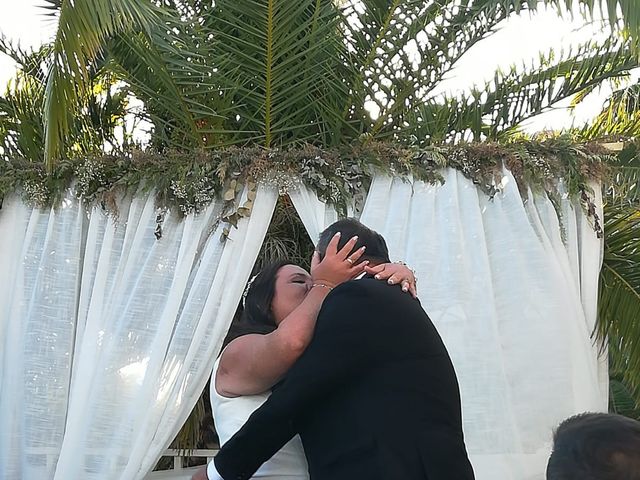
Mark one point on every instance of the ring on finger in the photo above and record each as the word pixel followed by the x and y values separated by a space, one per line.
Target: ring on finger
pixel 350 261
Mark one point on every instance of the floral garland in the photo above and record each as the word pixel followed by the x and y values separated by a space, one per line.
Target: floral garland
pixel 190 181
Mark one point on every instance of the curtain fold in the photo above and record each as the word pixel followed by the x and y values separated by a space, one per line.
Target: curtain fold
pixel 111 334
pixel 40 264
pixel 514 302
pixel 315 214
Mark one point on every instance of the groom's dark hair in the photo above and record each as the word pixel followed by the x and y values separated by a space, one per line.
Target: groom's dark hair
pixel 376 252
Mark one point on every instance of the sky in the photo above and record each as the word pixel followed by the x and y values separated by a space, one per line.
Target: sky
pixel 25 22
pixel 519 40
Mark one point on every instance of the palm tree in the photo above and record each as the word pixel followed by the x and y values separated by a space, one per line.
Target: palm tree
pixel 620 116
pixel 22 129
pixel 278 72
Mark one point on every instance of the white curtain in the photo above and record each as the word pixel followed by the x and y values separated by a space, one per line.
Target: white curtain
pixel 108 335
pixel 514 303
pixel 315 214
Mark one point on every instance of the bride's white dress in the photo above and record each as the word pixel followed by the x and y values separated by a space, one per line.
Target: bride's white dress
pixel 230 414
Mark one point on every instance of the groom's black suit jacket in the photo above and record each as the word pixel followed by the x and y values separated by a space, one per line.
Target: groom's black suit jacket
pixel 374 396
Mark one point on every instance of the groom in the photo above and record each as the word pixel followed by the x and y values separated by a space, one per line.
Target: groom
pixel 374 396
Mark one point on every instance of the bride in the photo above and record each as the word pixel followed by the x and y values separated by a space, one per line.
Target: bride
pixel 281 306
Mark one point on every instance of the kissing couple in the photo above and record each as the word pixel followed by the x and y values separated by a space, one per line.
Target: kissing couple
pixel 337 375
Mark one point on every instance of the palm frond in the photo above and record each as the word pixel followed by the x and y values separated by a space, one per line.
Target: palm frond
pixel 619 296
pixel 285 238
pixel 53 6
pixel 622 399
pixel 279 68
pixel 403 49
pixel 190 435
pixel 83 28
pixel 579 97
pixel 162 85
pixel 519 94
pixel 622 15
pixel 30 62
pixel 21 128
pixel 275 72
pixel 103 106
pixel 624 188
pixel 615 82
pixel 619 117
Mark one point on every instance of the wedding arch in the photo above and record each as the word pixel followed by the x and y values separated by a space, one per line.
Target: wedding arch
pixel 122 275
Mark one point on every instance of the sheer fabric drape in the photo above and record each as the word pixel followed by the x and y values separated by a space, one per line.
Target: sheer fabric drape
pixel 108 334
pixel 315 214
pixel 512 290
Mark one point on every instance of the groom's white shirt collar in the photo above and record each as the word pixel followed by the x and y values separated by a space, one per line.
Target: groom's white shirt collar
pixel 360 276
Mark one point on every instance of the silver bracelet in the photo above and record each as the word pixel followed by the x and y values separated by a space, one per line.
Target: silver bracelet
pixel 322 285
pixel 415 277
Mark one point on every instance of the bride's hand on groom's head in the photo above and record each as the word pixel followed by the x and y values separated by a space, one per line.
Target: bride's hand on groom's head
pixel 395 273
pixel 337 266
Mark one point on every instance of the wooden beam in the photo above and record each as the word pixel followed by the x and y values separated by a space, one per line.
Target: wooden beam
pixel 613 146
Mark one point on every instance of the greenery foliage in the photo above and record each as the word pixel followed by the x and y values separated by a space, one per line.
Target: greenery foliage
pixel 191 181
pixel 619 299
pixel 619 294
pixel 22 124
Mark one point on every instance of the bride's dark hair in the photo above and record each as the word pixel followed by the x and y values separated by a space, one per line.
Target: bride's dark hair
pixel 257 316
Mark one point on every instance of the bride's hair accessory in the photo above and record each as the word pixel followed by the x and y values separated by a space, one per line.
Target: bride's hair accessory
pixel 246 289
